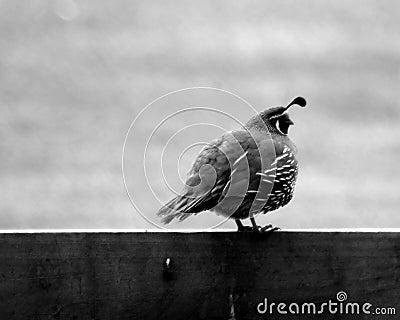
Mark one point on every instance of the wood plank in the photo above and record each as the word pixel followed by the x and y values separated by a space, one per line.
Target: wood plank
pixel 212 275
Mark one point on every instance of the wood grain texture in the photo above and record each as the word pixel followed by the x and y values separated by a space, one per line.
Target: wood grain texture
pixel 124 276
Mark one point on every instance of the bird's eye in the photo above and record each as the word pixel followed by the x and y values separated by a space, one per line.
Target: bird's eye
pixel 276 124
pixel 278 127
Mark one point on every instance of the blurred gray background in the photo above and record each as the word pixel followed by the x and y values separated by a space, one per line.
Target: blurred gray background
pixel 74 75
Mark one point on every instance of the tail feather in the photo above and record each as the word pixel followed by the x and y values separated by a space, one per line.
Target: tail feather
pixel 174 209
pixel 181 207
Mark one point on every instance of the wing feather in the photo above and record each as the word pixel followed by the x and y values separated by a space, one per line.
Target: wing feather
pixel 198 196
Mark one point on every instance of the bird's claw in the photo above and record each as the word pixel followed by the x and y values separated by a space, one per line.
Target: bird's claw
pixel 269 228
pixel 266 229
pixel 258 229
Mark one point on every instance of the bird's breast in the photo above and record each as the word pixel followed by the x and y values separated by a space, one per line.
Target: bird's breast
pixel 284 180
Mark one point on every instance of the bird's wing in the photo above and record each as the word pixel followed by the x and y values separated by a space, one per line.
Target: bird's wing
pixel 222 165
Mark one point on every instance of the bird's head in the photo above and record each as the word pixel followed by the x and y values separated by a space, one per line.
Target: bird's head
pixel 276 119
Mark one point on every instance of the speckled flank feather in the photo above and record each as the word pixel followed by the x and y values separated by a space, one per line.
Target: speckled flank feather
pixel 227 175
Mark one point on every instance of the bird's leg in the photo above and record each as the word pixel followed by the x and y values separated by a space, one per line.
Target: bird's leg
pixel 268 228
pixel 241 227
pixel 256 228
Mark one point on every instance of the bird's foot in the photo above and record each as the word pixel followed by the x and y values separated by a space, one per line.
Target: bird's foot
pixel 245 229
pixel 241 227
pixel 266 229
pixel 269 228
pixel 255 228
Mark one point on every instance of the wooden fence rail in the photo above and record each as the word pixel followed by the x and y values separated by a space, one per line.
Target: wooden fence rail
pixel 213 275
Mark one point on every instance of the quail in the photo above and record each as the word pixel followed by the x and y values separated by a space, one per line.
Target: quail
pixel 244 172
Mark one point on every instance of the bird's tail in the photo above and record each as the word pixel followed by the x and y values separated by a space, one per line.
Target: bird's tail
pixel 177 208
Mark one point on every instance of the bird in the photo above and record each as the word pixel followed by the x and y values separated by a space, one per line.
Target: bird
pixel 243 173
